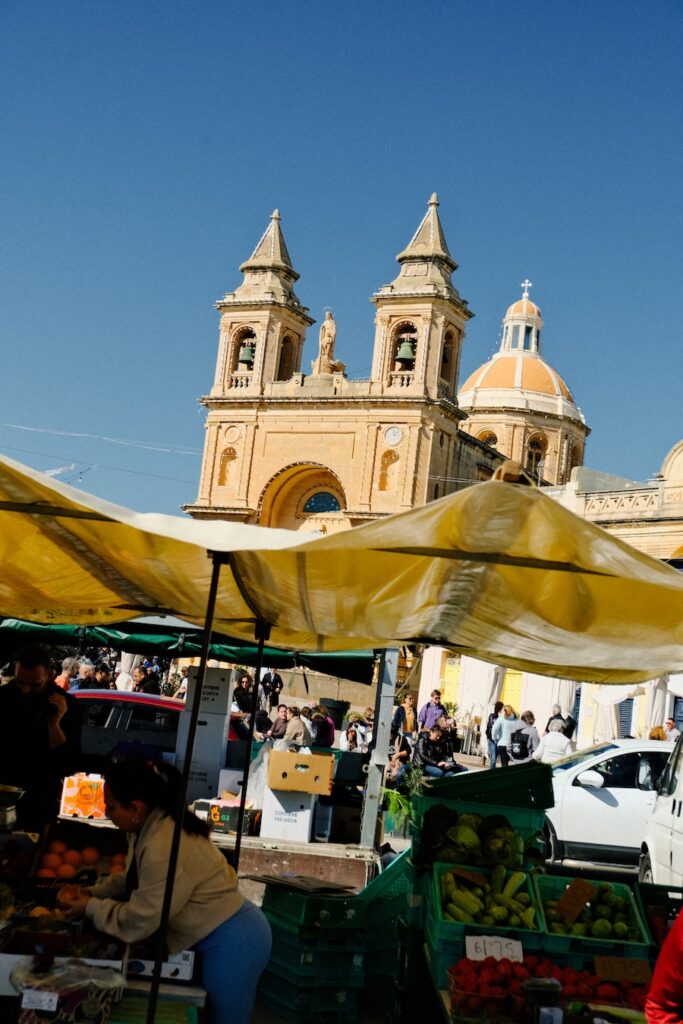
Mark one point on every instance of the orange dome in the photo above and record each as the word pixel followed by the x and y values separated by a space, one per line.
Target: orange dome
pixel 520 371
pixel 523 307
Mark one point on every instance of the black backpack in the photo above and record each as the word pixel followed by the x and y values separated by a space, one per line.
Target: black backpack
pixel 519 745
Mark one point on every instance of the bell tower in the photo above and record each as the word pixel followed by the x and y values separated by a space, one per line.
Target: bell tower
pixel 262 324
pixel 421 318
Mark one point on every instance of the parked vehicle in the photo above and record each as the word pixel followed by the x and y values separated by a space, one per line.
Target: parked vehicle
pixel 118 721
pixel 661 849
pixel 604 795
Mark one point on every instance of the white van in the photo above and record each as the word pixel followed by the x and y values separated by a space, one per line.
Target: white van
pixel 661 852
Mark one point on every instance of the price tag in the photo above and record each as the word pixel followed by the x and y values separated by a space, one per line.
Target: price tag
pixel 36 999
pixel 478 947
pixel 574 899
pixel 617 968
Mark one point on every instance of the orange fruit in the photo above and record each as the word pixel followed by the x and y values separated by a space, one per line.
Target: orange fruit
pixel 90 855
pixel 117 869
pixel 46 873
pixel 118 858
pixel 66 871
pixel 51 860
pixel 72 857
pixel 56 846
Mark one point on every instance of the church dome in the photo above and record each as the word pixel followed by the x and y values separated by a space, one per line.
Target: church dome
pixel 523 307
pixel 517 377
pixel 522 371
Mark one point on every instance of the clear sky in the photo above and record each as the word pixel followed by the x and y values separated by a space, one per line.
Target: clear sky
pixel 144 144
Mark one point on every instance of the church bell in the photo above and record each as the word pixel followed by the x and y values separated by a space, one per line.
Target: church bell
pixel 406 351
pixel 246 355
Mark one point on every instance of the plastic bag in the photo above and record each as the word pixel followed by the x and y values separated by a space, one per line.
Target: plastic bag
pixel 258 778
pixel 68 991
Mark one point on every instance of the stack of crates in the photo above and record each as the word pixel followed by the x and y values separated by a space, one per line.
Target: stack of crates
pixel 385 900
pixel 316 971
pixel 521 794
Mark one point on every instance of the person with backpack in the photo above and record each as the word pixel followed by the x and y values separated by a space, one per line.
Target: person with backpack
pixel 490 742
pixel 524 740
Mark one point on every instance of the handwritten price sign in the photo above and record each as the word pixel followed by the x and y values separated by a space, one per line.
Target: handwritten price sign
pixel 478 947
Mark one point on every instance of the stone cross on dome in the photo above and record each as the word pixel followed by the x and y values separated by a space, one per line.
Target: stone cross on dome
pixel 526 285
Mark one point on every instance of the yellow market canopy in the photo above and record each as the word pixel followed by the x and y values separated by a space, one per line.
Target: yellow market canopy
pixel 498 571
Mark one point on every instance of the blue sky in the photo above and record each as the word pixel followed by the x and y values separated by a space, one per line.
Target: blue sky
pixel 144 146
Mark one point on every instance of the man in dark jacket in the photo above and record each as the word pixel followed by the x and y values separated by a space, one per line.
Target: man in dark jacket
pixel 40 736
pixel 431 754
pixel 271 681
pixel 490 742
pixel 145 682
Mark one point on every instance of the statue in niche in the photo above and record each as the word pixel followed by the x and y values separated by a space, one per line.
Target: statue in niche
pixel 326 363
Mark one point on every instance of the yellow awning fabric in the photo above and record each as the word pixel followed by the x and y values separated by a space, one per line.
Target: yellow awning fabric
pixel 498 571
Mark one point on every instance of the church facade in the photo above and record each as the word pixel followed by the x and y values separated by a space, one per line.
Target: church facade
pixel 319 451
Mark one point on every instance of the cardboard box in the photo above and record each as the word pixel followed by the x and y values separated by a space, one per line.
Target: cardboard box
pixel 216 691
pixel 230 780
pixel 83 797
pixel 177 966
pixel 223 816
pixel 301 773
pixel 287 816
pixel 203 781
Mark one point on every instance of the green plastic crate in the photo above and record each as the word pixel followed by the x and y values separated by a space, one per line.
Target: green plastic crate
pixel 315 911
pixel 310 1000
pixel 446 939
pixel 331 1014
pixel 133 1010
pixel 525 820
pixel 658 906
pixel 524 785
pixel 312 937
pixel 386 897
pixel 335 966
pixel 551 887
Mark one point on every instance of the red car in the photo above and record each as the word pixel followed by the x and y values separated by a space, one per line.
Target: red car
pixel 118 721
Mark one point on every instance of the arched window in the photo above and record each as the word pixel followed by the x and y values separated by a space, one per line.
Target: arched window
pixel 322 501
pixel 404 347
pixel 389 459
pixel 286 362
pixel 489 438
pixel 228 456
pixel 447 358
pixel 244 350
pixel 535 456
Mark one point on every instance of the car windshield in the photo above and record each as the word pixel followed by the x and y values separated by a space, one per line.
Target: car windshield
pixel 581 755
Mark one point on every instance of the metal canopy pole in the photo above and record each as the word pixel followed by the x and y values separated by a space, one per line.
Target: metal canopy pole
pixel 379 746
pixel 262 634
pixel 182 796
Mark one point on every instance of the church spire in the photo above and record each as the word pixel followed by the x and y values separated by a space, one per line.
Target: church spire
pixel 268 273
pixel 271 252
pixel 429 241
pixel 426 263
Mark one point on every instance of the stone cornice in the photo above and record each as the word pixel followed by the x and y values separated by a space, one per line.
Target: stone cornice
pixel 260 403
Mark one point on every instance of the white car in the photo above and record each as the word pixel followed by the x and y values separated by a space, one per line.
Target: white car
pixel 661 851
pixel 604 795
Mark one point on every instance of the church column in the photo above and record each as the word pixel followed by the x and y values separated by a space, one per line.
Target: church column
pixel 372 432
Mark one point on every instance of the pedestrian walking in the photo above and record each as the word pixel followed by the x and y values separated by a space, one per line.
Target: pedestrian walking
pixel 491 744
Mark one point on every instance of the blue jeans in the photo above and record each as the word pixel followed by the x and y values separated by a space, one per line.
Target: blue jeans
pixel 493 753
pixel 233 957
pixel 436 773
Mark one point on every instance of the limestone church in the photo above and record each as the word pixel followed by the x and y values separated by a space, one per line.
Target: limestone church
pixel 318 451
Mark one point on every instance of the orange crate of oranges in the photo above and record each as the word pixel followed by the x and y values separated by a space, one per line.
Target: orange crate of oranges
pixel 74 848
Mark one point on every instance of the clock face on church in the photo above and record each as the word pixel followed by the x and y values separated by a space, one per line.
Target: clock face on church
pixel 393 435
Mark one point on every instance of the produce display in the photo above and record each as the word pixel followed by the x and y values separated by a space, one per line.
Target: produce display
pixel 608 914
pixel 61 861
pixel 499 899
pixel 476 840
pixel 501 988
